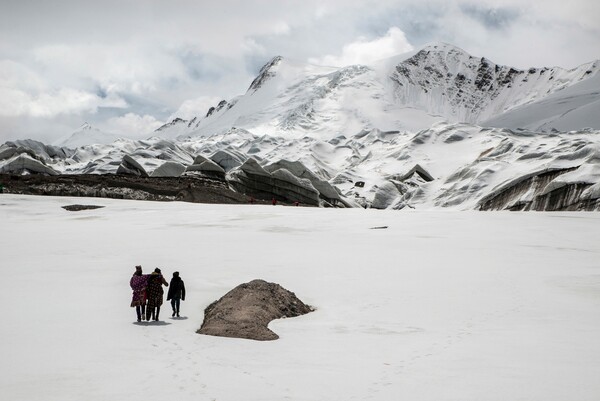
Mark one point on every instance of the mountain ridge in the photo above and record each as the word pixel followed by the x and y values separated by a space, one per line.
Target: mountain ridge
pixel 439 82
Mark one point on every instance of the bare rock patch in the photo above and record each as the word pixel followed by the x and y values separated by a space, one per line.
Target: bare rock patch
pixel 245 311
pixel 76 208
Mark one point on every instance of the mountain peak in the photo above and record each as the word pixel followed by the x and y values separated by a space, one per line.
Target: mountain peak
pixel 267 71
pixel 443 47
pixel 85 127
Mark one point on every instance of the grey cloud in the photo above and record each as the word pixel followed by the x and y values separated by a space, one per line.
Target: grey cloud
pixel 491 17
pixel 204 66
pixel 420 21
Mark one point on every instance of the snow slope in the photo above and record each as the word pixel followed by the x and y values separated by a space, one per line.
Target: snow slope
pixel 87 135
pixel 438 306
pixel 573 108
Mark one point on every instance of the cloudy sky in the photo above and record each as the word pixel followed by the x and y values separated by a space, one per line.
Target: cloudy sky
pixel 128 66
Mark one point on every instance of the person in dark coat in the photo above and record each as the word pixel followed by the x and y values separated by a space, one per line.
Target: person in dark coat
pixel 138 284
pixel 176 293
pixel 155 294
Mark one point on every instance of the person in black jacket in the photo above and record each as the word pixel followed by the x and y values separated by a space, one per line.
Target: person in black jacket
pixel 176 293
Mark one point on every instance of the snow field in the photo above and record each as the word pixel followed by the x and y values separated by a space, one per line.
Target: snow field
pixel 440 305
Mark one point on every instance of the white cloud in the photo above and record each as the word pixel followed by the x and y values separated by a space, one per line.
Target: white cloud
pixel 362 51
pixel 196 107
pixel 132 125
pixel 126 67
pixel 15 102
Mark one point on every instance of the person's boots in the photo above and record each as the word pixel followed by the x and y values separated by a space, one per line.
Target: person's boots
pixel 143 307
pixel 177 312
pixel 139 313
pixel 173 315
pixel 148 314
pixel 157 312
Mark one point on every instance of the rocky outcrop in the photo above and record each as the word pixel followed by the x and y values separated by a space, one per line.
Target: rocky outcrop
pixel 35 149
pixel 227 160
pixel 253 180
pixel 188 189
pixel 78 208
pixel 176 121
pixel 385 196
pixel 130 167
pixel 543 191
pixel 266 72
pixel 205 167
pixel 245 311
pixel 419 171
pixel 326 191
pixel 443 79
pixel 24 164
pixel 30 157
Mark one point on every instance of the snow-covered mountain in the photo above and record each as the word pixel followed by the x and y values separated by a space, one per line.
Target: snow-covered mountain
pixel 86 135
pixel 409 92
pixel 445 80
pixel 405 132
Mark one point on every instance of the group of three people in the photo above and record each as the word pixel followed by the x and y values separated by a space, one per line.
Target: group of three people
pixel 148 293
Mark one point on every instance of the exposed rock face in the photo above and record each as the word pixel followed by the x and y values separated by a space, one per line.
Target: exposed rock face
pixel 188 189
pixel 246 311
pixel 77 208
pixel 227 160
pixel 543 190
pixel 35 149
pixel 420 171
pixel 172 123
pixel 385 196
pixel 567 198
pixel 169 169
pixel 252 179
pixel 130 167
pixel 205 167
pixel 24 164
pixel 199 159
pixel 326 191
pixel 266 72
pixel 446 80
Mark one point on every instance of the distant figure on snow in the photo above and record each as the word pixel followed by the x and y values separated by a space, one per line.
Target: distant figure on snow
pixel 155 294
pixel 138 284
pixel 274 201
pixel 176 293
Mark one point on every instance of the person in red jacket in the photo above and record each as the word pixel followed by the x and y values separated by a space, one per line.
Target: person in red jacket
pixel 155 294
pixel 138 284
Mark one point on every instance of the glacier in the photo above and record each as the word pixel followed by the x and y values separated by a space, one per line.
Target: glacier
pixel 434 128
